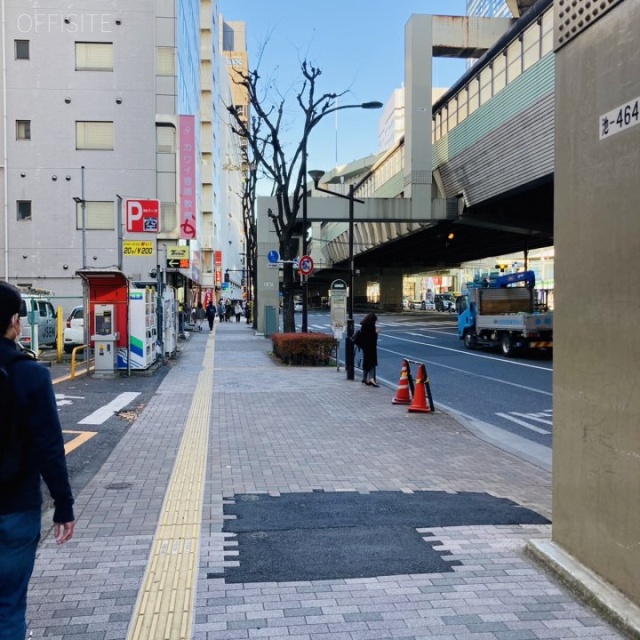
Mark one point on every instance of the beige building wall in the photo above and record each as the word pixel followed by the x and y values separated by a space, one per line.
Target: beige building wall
pixel 596 422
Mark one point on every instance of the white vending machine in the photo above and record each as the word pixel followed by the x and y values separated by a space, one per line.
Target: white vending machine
pixel 142 330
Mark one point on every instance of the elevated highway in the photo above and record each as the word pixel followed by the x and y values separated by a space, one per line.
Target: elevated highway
pixel 490 150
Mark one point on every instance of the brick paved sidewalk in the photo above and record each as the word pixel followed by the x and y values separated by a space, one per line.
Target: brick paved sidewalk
pixel 278 430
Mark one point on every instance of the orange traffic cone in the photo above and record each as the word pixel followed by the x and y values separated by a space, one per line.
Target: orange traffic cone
pixel 403 394
pixel 419 403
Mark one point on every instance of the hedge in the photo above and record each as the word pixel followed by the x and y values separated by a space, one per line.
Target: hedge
pixel 303 348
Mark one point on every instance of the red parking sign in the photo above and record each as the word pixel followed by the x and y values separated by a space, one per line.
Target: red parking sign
pixel 143 216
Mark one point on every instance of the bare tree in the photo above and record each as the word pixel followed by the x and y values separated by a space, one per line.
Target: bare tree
pixel 264 138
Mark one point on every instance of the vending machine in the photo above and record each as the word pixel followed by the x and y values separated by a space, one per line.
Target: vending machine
pixel 142 330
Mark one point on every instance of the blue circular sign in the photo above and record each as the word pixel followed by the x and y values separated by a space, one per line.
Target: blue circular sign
pixel 273 256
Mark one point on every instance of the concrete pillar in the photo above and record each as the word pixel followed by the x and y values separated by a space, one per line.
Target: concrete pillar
pixel 418 42
pixel 596 404
pixel 268 278
pixel 391 290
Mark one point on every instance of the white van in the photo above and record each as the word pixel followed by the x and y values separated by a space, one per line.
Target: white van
pixel 43 316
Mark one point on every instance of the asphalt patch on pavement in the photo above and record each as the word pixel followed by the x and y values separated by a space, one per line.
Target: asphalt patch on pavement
pixel 327 536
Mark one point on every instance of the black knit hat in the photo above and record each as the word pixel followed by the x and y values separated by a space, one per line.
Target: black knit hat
pixel 9 304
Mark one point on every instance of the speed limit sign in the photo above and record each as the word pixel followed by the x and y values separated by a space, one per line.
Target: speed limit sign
pixel 305 265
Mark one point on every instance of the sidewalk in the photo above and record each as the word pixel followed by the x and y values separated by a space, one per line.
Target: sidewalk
pixel 311 480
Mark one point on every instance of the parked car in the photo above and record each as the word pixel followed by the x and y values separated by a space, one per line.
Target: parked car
pixel 297 306
pixel 39 310
pixel 444 302
pixel 74 329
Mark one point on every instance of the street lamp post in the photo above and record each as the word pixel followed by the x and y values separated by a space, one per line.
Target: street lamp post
pixel 305 243
pixel 349 352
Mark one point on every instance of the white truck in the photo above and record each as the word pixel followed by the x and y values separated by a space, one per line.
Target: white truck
pixel 498 314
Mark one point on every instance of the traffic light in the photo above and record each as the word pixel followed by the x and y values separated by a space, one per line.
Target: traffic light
pixel 226 276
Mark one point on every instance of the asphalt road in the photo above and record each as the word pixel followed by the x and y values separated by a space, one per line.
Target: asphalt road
pixel 95 413
pixel 510 397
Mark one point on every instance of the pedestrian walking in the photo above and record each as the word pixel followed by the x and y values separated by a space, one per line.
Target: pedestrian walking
pixel 238 310
pixel 221 310
pixel 32 448
pixel 211 314
pixel 368 342
pixel 201 314
pixel 227 310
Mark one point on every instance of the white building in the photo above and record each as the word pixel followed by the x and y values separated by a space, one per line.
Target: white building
pixel 104 88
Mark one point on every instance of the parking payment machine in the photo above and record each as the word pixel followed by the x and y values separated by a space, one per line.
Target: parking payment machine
pixel 105 339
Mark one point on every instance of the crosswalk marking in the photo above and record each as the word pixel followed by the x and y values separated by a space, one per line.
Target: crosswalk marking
pixel 104 413
pixel 522 423
pixel 538 417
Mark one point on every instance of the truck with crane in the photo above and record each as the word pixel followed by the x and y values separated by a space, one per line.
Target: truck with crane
pixel 501 312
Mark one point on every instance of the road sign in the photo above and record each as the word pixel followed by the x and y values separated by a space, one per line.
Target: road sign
pixel 137 248
pixel 305 265
pixel 273 256
pixel 143 216
pixel 177 257
pixel 177 264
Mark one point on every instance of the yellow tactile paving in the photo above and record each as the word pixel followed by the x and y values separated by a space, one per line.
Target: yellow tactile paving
pixel 164 610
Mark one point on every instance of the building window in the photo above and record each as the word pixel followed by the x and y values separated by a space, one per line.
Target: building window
pixel 546 36
pixel 169 221
pixel 499 73
pixel 486 77
pixel 99 215
pixel 473 95
pixel 531 46
pixel 166 61
pixel 166 138
pixel 452 115
pixel 22 49
pixel 94 56
pixel 462 105
pixel 23 209
pixel 514 60
pixel 94 135
pixel 23 129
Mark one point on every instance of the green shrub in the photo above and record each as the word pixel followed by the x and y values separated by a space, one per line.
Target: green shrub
pixel 303 348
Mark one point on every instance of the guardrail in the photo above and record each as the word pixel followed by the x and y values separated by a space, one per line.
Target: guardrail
pixel 87 362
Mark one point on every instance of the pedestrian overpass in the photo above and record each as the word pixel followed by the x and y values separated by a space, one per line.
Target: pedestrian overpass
pixel 492 158
pixel 472 176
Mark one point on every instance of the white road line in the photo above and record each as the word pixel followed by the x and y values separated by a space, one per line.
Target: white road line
pixel 104 413
pixel 419 335
pixel 476 355
pixel 475 375
pixel 533 416
pixel 522 423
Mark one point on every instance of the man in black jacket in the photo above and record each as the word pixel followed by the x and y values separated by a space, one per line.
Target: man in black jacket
pixel 39 447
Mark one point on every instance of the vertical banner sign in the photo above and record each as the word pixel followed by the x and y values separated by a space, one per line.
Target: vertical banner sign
pixel 187 178
pixel 217 260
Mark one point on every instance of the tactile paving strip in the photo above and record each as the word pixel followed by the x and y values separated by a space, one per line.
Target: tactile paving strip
pixel 164 609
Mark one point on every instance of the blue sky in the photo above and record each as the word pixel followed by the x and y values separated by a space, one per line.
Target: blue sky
pixel 358 45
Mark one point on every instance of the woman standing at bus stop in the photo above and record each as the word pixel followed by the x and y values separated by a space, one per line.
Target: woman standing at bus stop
pixel 368 342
